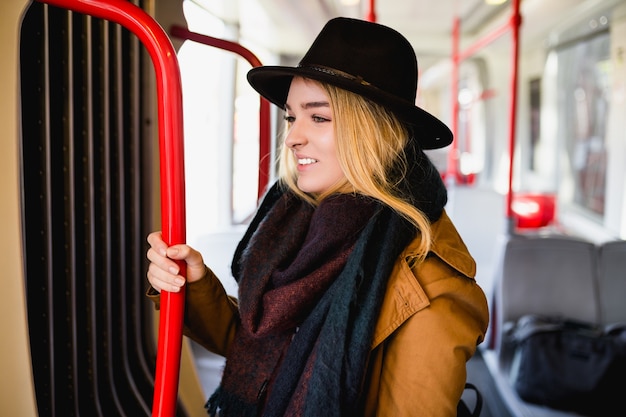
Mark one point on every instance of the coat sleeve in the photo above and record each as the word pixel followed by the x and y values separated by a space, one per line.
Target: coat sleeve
pixel 211 315
pixel 421 369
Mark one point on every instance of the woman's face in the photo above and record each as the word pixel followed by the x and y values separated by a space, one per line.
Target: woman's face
pixel 311 136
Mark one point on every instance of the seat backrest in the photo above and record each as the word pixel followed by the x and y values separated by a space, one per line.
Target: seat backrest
pixel 549 275
pixel 612 281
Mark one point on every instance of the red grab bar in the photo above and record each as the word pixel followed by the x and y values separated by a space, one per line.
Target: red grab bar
pixel 512 25
pixel 172 174
pixel 264 111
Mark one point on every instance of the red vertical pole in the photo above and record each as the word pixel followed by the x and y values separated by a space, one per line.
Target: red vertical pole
pixel 172 174
pixel 453 157
pixel 265 158
pixel 514 23
pixel 370 16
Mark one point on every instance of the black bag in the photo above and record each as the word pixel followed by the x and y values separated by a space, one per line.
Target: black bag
pixel 463 409
pixel 569 365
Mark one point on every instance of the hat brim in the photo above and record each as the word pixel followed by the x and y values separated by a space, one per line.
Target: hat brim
pixel 273 82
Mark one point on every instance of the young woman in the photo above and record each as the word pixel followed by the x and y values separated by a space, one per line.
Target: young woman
pixel 356 293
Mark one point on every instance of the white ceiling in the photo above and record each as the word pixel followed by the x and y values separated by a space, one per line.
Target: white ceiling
pixel 288 27
pixel 426 23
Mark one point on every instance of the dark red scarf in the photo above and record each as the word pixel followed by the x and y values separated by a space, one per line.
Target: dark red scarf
pixel 289 262
pixel 322 272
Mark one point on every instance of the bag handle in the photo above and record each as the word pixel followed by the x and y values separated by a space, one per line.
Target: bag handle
pixel 462 408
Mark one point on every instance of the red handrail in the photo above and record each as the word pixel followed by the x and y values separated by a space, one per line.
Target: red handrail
pixel 264 111
pixel 172 177
pixel 452 170
pixel 513 24
pixel 370 15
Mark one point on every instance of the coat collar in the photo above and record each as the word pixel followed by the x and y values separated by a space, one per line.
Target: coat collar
pixel 450 248
pixel 405 296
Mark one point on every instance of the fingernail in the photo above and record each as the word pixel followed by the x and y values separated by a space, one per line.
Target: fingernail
pixel 173 270
pixel 179 281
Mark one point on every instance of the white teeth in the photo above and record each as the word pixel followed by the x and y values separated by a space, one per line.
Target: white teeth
pixel 306 161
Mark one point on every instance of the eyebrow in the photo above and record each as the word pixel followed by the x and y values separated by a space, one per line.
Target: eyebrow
pixel 310 105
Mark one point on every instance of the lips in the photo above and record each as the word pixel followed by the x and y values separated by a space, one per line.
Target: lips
pixel 306 161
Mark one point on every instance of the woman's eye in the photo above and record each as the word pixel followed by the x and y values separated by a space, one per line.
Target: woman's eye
pixel 316 119
pixel 319 119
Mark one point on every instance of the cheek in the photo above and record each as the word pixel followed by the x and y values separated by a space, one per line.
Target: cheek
pixel 330 149
pixel 329 145
pixel 335 170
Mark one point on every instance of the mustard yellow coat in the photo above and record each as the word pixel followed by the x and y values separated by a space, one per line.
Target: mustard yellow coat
pixel 432 319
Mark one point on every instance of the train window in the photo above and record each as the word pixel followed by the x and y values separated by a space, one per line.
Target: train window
pixel 535 119
pixel 221 132
pixel 471 136
pixel 205 122
pixel 583 81
pixel 245 149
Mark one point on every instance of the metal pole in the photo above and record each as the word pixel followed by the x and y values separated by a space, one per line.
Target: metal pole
pixel 514 23
pixel 452 173
pixel 371 12
pixel 170 115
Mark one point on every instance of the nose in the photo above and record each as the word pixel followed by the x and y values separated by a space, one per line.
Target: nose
pixel 295 136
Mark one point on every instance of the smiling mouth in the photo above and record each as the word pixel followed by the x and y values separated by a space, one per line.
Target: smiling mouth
pixel 306 161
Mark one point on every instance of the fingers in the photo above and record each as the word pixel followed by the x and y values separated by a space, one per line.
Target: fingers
pixel 155 239
pixel 164 272
pixel 162 280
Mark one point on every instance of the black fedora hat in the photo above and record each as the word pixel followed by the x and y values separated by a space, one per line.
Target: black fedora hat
pixel 365 58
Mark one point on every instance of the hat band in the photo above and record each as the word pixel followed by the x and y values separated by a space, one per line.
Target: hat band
pixel 337 73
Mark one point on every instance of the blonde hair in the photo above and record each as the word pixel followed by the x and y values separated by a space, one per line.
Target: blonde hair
pixel 370 144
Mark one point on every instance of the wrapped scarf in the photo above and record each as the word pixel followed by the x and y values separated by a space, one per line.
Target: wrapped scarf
pixel 311 283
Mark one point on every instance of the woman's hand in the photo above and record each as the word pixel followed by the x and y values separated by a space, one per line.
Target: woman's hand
pixel 163 272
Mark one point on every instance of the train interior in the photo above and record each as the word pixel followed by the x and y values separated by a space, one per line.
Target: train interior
pixel 535 177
